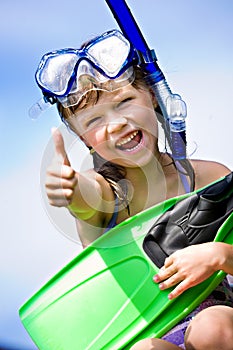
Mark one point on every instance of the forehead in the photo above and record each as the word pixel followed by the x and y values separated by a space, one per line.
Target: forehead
pixel 96 101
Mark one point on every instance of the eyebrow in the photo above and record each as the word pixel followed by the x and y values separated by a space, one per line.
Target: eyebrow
pixel 121 95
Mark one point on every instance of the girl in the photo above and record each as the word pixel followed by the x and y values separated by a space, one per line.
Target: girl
pixel 117 119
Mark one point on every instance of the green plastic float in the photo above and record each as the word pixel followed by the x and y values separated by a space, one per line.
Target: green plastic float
pixel 106 298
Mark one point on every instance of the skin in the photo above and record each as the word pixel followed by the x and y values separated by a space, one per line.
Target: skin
pixel 151 176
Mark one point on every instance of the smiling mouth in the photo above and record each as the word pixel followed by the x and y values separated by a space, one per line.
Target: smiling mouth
pixel 130 142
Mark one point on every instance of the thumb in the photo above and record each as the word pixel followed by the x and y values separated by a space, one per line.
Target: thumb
pixel 60 146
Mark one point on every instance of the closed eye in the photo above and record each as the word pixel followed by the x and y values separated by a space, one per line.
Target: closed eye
pixel 93 121
pixel 125 101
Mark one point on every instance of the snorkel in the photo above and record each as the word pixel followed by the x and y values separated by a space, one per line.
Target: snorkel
pixel 59 75
pixel 173 108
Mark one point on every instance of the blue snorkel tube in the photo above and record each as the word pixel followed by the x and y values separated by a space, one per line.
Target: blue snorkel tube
pixel 173 108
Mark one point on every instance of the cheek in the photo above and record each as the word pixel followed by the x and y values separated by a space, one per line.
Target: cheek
pixel 153 122
pixel 148 121
pixel 95 137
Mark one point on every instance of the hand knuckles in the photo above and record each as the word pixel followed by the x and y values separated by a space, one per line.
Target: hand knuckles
pixel 67 171
pixel 192 280
pixel 68 193
pixel 49 184
pixel 50 194
pixel 172 281
pixel 54 203
pixel 73 183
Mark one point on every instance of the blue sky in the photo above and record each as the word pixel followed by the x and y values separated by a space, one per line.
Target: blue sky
pixel 193 42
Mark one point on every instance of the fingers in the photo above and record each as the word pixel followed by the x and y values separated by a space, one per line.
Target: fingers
pixel 59 146
pixel 168 261
pixel 166 271
pixel 171 275
pixel 61 179
pixel 180 288
pixel 167 277
pixel 60 191
pixel 170 281
pixel 53 182
pixel 60 197
pixel 168 274
pixel 57 169
pixel 60 185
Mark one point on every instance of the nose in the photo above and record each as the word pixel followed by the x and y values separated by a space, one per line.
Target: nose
pixel 116 124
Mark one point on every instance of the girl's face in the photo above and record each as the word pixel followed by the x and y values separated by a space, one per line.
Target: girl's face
pixel 121 126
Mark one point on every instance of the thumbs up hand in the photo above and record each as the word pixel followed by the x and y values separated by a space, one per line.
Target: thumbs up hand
pixel 61 179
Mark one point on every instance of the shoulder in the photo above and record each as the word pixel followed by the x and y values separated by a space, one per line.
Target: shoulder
pixel 106 202
pixel 101 183
pixel 208 171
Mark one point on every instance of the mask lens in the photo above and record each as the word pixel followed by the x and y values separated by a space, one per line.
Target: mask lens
pixel 102 65
pixel 110 54
pixel 55 72
pixel 87 77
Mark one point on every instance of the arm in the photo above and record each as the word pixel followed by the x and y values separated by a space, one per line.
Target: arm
pixel 87 196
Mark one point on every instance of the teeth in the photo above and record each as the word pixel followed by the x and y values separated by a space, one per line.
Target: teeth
pixel 127 139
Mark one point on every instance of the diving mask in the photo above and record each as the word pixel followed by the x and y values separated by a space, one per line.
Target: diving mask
pixel 105 63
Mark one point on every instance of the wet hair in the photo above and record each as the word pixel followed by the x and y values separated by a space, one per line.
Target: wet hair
pixel 113 173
